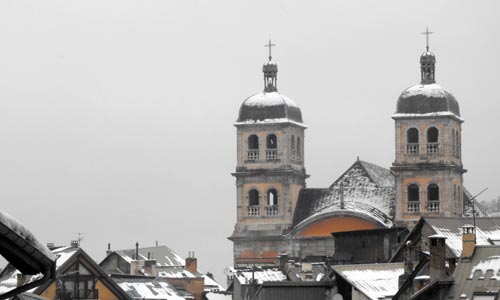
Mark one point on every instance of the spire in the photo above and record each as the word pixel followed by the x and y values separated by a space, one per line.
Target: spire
pixel 427 62
pixel 270 70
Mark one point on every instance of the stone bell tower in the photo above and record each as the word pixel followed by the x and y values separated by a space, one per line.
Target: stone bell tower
pixel 428 163
pixel 269 171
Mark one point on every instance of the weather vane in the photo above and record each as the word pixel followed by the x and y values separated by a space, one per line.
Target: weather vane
pixel 269 45
pixel 427 33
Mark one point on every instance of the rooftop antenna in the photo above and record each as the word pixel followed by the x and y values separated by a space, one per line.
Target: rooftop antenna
pixel 427 33
pixel 80 236
pixel 269 45
pixel 474 211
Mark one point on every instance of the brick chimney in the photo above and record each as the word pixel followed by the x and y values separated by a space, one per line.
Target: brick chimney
pixel 468 240
pixel 437 249
pixel 192 263
pixel 150 267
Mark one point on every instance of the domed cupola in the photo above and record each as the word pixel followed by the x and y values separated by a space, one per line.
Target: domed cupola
pixel 269 106
pixel 427 97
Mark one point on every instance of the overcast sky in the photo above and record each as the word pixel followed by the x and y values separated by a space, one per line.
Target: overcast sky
pixel 116 116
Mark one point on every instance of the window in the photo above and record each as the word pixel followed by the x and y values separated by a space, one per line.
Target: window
pixel 454 141
pixel 292 147
pixel 457 144
pixel 413 196
pixel 432 140
pixel 433 198
pixel 272 202
pixel 253 202
pixel 299 149
pixel 77 283
pixel 272 145
pixel 253 147
pixel 412 141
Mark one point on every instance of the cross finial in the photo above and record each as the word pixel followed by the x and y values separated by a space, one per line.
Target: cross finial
pixel 427 33
pixel 269 45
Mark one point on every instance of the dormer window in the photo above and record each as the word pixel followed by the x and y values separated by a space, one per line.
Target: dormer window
pixel 412 144
pixel 271 149
pixel 253 147
pixel 432 140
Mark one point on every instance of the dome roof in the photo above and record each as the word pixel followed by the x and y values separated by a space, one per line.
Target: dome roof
pixel 427 98
pixel 269 107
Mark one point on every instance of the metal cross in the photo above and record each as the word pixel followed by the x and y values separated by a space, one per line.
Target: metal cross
pixel 427 33
pixel 269 45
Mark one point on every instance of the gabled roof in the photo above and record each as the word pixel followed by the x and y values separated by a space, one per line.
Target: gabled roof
pixel 375 281
pixel 364 189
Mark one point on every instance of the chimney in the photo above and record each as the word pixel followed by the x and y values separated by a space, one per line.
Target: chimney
pixel 408 264
pixel 137 250
pixel 437 251
pixel 51 246
pixel 20 279
pixel 468 240
pixel 108 252
pixel 75 244
pixel 135 267
pixel 192 263
pixel 150 267
pixel 283 261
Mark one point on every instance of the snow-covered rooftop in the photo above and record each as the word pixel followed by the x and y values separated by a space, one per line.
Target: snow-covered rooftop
pixel 147 288
pixel 164 256
pixel 429 90
pixel 375 281
pixel 269 99
pixel 245 275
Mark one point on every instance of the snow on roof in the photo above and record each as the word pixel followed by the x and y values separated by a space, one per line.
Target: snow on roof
pixel 211 284
pixel 269 99
pixel 486 264
pixel 14 225
pixel 451 228
pixel 63 254
pixel 429 90
pixel 364 188
pixel 375 281
pixel 175 273
pixel 270 121
pixel 429 115
pixel 147 288
pixel 164 256
pixel 218 296
pixel 245 275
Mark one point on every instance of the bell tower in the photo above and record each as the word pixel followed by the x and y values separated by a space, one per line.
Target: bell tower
pixel 428 163
pixel 269 171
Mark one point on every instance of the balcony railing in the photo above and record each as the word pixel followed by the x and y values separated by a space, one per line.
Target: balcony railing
pixel 272 210
pixel 412 148
pixel 413 207
pixel 272 154
pixel 254 210
pixel 433 206
pixel 253 154
pixel 432 148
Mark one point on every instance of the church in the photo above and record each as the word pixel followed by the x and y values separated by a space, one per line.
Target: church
pixel 277 214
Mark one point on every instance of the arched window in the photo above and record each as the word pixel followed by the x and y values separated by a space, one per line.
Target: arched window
pixel 271 145
pixel 454 141
pixel 412 141
pixel 299 149
pixel 272 142
pixel 433 198
pixel 292 147
pixel 457 145
pixel 253 202
pixel 413 196
pixel 272 202
pixel 253 147
pixel 432 140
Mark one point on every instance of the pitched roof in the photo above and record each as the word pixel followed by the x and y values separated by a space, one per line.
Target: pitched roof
pixel 141 287
pixel 364 188
pixel 244 275
pixel 164 256
pixel 375 281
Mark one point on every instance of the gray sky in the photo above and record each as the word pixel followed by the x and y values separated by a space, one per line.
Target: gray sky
pixel 116 116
